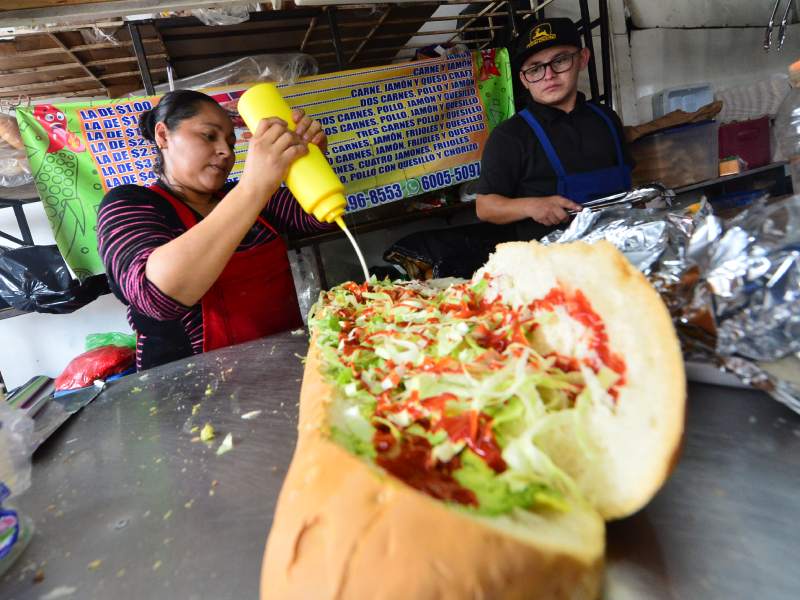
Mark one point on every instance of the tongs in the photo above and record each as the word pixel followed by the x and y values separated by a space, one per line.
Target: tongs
pixel 781 29
pixel 635 196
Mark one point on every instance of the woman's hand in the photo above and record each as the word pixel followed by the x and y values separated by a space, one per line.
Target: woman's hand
pixel 310 129
pixel 272 150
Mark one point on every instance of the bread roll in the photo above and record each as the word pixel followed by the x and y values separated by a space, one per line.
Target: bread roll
pixel 578 331
pixel 9 131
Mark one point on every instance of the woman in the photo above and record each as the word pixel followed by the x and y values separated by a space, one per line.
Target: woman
pixel 200 264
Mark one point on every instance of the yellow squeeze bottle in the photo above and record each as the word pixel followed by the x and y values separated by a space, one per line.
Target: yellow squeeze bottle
pixel 311 179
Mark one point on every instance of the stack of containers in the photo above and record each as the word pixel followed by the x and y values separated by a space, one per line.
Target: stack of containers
pixel 681 155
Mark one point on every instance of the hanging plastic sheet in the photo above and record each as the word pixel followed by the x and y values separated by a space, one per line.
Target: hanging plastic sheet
pixel 232 15
pixel 14 168
pixel 306 279
pixel 279 68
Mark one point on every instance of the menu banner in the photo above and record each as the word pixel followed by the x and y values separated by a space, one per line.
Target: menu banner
pixel 394 132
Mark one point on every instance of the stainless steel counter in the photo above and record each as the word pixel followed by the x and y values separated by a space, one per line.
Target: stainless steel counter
pixel 127 502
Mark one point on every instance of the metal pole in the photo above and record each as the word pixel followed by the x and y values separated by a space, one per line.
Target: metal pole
pixel 170 77
pixel 333 22
pixel 512 22
pixel 605 51
pixel 587 39
pixel 22 223
pixel 141 57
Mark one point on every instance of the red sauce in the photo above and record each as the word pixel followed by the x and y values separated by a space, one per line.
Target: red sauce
pixel 411 461
pixel 490 339
pixel 476 430
pixel 438 403
pixel 580 309
pixel 442 365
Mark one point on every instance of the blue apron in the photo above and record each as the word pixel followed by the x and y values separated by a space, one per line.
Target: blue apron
pixel 590 185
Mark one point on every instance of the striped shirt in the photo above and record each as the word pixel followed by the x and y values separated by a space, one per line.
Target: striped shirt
pixel 132 221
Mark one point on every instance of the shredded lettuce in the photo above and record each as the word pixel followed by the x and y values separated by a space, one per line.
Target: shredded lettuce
pixel 351 430
pixel 497 494
pixel 407 342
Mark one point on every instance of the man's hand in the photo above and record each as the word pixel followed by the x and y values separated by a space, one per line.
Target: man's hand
pixel 550 210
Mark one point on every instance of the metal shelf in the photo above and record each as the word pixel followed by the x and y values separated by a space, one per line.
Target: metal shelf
pixel 728 178
pixel 22 221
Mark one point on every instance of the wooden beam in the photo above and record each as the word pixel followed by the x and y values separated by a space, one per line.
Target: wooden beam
pixel 24 89
pixel 82 93
pixel 107 45
pixel 490 8
pixel 34 53
pixel 81 48
pixel 311 26
pixel 371 33
pixel 79 62
pixel 40 69
pixel 28 4
pixel 20 31
pixel 121 59
pixel 64 11
pixel 131 74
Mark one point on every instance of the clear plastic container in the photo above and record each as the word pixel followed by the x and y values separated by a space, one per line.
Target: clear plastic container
pixel 16 529
pixel 687 98
pixel 677 156
pixel 787 126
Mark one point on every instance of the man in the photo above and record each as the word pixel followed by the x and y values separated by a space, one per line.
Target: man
pixel 560 151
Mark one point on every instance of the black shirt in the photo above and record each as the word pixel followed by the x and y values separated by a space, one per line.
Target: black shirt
pixel 515 165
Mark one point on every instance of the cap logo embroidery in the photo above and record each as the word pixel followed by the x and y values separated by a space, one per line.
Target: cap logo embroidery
pixel 541 33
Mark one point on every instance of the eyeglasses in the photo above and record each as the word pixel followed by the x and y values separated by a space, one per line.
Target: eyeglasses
pixel 560 64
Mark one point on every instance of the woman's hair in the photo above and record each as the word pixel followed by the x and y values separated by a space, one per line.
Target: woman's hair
pixel 173 108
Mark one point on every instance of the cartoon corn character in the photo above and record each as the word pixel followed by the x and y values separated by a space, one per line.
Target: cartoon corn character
pixel 55 125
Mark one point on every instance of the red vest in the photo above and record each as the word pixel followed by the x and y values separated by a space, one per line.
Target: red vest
pixel 254 295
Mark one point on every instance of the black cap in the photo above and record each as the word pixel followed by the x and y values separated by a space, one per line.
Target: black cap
pixel 544 34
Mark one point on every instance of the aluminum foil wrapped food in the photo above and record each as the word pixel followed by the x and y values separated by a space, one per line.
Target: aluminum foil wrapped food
pixel 732 285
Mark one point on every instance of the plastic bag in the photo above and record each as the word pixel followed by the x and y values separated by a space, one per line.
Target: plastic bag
pixel 222 16
pixel 14 167
pixel 306 280
pixel 96 35
pixel 98 363
pixel 278 68
pixel 16 433
pixel 112 338
pixel 36 278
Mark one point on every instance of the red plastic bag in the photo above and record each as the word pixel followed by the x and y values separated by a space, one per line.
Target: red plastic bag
pixel 98 363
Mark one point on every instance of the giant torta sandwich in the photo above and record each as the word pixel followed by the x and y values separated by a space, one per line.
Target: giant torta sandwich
pixel 469 441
